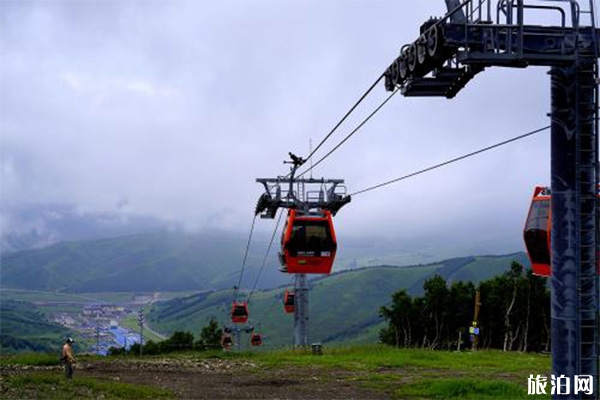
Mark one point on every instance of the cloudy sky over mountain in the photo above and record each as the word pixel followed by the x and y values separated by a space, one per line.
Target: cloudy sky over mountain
pixel 170 110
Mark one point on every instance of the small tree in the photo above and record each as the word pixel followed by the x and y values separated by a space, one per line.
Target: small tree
pixel 116 351
pixel 134 349
pixel 210 335
pixel 399 331
pixel 436 310
pixel 179 341
pixel 151 348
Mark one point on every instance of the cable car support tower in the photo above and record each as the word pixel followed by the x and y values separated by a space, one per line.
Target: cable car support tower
pixel 478 34
pixel 293 192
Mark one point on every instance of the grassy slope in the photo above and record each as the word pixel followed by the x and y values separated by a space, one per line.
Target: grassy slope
pixel 396 373
pixel 37 296
pixel 416 373
pixel 42 296
pixel 50 385
pixel 131 322
pixel 343 307
pixel 494 265
pixel 159 261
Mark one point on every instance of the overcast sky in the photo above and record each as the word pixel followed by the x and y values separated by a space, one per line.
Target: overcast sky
pixel 172 109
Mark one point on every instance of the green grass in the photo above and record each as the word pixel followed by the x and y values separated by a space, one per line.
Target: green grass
pixel 414 373
pixel 53 309
pixel 373 357
pixel 41 296
pixel 396 373
pixel 493 266
pixel 40 359
pixel 129 297
pixel 55 386
pixel 131 322
pixel 461 388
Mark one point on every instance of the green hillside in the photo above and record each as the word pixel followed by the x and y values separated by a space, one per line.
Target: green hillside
pixel 25 328
pixel 343 306
pixel 166 261
pixel 160 261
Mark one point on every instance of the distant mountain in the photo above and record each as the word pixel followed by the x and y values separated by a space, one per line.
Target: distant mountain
pixel 33 226
pixel 160 261
pixel 344 306
pixel 174 260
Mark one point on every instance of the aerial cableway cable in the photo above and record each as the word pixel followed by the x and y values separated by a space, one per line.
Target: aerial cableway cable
pixel 345 117
pixel 358 127
pixel 264 261
pixel 340 122
pixel 422 171
pixel 237 288
pixel 276 300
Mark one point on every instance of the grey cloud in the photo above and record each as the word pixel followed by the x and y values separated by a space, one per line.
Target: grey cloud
pixel 171 109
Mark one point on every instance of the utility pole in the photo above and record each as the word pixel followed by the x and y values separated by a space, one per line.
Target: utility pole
pixel 300 311
pixel 474 329
pixel 141 324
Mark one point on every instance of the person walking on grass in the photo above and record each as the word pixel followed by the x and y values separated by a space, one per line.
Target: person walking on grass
pixel 68 358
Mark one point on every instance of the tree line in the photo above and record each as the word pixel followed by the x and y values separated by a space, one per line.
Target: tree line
pixel 210 339
pixel 514 314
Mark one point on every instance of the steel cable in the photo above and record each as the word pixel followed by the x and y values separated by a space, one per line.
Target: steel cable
pixel 450 161
pixel 264 261
pixel 345 117
pixel 351 133
pixel 237 288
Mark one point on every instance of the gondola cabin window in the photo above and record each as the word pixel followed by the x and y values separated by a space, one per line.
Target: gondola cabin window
pixel 311 238
pixel 538 232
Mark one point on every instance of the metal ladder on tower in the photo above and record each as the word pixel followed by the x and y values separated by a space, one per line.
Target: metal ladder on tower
pixel 587 203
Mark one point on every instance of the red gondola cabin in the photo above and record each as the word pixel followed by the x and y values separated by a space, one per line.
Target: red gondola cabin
pixel 256 339
pixel 239 313
pixel 289 301
pixel 308 243
pixel 226 341
pixel 537 231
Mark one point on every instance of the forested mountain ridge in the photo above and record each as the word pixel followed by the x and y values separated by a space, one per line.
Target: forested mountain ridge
pixel 159 261
pixel 25 329
pixel 180 261
pixel 344 307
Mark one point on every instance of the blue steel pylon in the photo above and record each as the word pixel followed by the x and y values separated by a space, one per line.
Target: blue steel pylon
pixel 472 36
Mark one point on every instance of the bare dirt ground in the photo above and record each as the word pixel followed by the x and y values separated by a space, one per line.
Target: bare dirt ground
pixel 224 379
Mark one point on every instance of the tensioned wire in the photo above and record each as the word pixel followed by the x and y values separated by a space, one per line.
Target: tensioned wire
pixel 451 161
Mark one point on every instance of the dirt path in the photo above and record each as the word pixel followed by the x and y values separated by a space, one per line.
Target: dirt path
pixel 230 379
